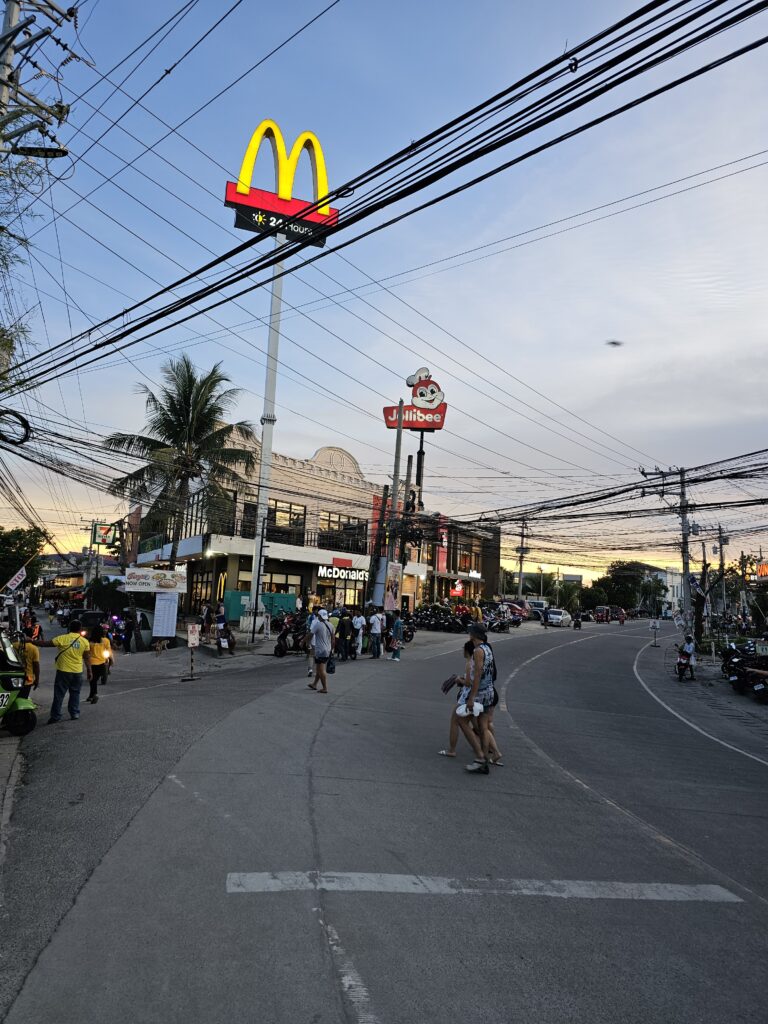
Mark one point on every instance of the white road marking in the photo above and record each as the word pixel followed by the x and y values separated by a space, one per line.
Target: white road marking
pixel 421 885
pixel 352 984
pixel 649 691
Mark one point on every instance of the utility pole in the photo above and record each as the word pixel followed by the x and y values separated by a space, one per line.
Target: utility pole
pixel 268 420
pixel 685 552
pixel 523 551
pixel 407 510
pixel 378 543
pixel 21 112
pixel 395 483
pixel 720 545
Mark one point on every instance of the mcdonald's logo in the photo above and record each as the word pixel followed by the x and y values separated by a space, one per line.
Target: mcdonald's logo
pixel 261 211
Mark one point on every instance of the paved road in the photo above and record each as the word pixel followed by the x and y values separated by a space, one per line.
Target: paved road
pixel 247 850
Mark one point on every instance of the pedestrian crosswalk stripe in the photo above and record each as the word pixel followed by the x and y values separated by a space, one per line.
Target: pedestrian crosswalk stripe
pixel 429 885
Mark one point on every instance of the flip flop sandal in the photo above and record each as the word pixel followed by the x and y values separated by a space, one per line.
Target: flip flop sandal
pixel 445 753
pixel 311 687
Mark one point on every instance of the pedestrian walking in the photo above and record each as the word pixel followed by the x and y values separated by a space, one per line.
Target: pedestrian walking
pixel 482 676
pixel 376 625
pixel 127 632
pixel 30 659
pixel 101 651
pixel 358 624
pixel 323 633
pixel 397 637
pixel 310 642
pixel 344 634
pixel 73 653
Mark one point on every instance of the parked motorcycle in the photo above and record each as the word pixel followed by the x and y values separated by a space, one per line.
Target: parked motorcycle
pixel 290 639
pixel 17 713
pixel 682 664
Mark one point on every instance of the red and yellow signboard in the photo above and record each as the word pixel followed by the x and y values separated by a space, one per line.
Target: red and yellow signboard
pixel 427 409
pixel 261 211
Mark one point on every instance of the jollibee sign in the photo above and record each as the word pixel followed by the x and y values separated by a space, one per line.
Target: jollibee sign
pixel 427 408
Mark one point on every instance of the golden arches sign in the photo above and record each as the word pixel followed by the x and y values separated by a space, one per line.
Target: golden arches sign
pixel 285 163
pixel 261 211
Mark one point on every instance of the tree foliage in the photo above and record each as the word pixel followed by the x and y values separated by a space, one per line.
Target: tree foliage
pixel 187 447
pixel 622 582
pixel 16 546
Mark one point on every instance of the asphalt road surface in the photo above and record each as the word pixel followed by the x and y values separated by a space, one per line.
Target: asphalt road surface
pixel 243 849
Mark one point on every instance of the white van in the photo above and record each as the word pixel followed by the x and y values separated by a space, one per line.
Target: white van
pixel 537 606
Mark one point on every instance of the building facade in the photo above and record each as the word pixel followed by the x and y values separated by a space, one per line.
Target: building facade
pixel 321 534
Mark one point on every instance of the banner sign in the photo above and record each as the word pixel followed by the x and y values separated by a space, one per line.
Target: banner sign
pixel 457 590
pixel 337 572
pixel 166 610
pixel 393 586
pixel 427 409
pixel 14 581
pixel 153 581
pixel 260 211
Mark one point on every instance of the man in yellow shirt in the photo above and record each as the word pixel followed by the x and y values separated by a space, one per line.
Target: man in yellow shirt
pixel 30 659
pixel 73 652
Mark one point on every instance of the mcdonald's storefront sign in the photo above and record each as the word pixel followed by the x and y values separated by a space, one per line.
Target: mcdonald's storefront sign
pixel 260 211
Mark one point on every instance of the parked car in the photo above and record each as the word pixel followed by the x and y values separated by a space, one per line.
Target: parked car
pixel 587 616
pixel 559 617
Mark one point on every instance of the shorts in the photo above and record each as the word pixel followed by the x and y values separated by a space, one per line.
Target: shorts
pixel 488 698
pixel 322 659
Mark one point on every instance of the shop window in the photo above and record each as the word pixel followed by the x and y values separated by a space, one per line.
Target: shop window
pixel 286 522
pixel 339 532
pixel 248 525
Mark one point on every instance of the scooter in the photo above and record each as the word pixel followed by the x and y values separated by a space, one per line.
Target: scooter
pixel 682 664
pixel 17 713
pixel 577 622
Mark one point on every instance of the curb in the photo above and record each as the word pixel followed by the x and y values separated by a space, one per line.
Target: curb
pixel 10 768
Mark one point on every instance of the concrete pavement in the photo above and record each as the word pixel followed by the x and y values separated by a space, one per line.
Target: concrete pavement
pixel 601 875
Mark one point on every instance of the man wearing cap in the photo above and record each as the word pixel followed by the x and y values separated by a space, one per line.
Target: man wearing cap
pixel 73 652
pixel 323 633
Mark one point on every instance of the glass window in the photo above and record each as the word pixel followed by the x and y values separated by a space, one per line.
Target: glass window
pixel 286 522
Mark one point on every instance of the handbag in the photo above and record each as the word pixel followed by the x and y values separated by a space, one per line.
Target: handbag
pixel 330 665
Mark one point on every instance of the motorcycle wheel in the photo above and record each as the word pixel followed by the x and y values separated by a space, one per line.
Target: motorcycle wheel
pixel 19 723
pixel 279 651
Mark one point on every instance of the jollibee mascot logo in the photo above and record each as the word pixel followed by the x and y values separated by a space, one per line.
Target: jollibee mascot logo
pixel 427 393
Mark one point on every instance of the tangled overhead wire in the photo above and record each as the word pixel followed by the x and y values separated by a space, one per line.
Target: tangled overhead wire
pixel 14 428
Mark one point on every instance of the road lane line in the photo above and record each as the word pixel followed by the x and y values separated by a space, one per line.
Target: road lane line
pixel 263 882
pixel 352 984
pixel 723 743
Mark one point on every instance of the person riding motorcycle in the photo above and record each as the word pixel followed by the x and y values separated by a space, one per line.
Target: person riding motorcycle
pixel 688 649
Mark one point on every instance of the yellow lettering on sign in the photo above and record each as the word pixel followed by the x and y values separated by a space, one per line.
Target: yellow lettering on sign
pixel 285 163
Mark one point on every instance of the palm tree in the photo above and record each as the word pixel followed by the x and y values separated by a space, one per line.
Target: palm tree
pixel 652 591
pixel 187 446
pixel 570 596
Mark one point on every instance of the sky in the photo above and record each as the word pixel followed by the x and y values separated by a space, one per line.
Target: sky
pixel 539 405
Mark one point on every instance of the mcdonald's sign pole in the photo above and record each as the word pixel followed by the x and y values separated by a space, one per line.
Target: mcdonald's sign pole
pixel 270 212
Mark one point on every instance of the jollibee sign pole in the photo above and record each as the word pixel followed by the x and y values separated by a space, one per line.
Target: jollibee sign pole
pixel 277 213
pixel 425 413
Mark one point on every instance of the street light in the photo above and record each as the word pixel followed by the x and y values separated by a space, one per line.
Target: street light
pixel 541 581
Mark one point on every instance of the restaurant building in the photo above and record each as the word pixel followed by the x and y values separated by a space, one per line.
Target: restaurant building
pixel 320 536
